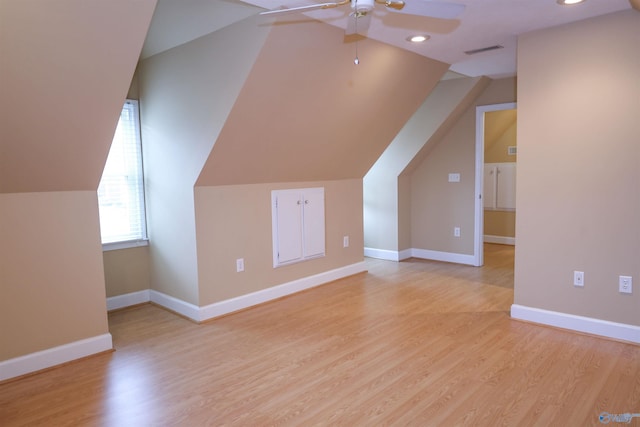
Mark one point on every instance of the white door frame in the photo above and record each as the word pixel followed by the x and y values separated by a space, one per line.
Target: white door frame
pixel 478 238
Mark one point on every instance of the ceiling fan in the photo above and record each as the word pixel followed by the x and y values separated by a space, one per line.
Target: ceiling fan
pixel 362 10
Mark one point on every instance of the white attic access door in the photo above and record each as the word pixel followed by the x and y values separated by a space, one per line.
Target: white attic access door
pixel 298 225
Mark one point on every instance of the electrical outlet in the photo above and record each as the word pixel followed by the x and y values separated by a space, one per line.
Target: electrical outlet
pixel 578 278
pixel 239 265
pixel 456 231
pixel 625 284
pixel 345 242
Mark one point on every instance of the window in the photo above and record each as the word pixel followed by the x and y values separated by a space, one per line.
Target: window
pixel 121 189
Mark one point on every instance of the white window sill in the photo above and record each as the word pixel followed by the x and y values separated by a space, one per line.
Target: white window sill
pixel 124 245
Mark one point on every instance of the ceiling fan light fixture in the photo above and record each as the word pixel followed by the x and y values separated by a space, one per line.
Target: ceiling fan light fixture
pixel 569 2
pixel 392 4
pixel 362 6
pixel 418 38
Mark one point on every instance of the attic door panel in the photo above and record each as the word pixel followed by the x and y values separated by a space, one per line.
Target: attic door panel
pixel 313 219
pixel 289 244
pixel 489 191
pixel 506 186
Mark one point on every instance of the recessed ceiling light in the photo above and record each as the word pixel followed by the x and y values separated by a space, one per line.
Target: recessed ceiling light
pixel 418 38
pixel 569 2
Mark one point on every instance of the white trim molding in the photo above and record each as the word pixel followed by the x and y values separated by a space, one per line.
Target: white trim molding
pixel 245 301
pixel 200 314
pixel 387 254
pixel 419 253
pixel 176 305
pixel 443 256
pixel 115 246
pixel 604 328
pixel 501 240
pixel 54 356
pixel 127 300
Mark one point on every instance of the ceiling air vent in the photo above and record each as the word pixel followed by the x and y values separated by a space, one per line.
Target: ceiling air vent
pixel 483 49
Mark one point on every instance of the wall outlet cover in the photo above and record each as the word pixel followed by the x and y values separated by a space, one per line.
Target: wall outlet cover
pixel 578 278
pixel 625 284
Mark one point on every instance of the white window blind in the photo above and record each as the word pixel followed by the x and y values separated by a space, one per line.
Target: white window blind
pixel 121 190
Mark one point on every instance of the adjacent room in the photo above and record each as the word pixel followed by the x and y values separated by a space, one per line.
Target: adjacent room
pixel 359 213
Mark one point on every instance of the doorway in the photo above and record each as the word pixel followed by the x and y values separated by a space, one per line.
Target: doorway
pixel 490 192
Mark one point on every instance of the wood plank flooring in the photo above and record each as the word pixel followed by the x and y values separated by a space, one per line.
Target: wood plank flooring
pixel 415 343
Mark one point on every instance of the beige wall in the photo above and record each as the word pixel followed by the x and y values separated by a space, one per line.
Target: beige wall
pixel 386 197
pixel 235 222
pixel 500 223
pixel 126 270
pixel 62 64
pixel 438 206
pixel 578 167
pixel 52 289
pixel 134 91
pixel 268 126
pixel 404 211
pixel 65 69
pixel 186 94
pixel 306 113
pixel 500 133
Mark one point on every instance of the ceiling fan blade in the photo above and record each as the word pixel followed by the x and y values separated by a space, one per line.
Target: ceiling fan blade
pixel 301 9
pixel 432 9
pixel 358 23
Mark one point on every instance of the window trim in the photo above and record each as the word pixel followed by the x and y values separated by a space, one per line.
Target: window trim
pixel 128 244
pixel 144 241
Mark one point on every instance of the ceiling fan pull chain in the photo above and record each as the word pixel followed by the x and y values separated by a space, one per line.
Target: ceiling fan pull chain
pixel 355 16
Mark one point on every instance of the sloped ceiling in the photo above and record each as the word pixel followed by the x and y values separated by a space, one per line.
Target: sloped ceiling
pixel 307 113
pixel 483 23
pixel 65 68
pixel 496 124
pixel 178 22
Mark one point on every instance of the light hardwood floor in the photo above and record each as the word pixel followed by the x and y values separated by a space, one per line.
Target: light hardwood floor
pixel 414 343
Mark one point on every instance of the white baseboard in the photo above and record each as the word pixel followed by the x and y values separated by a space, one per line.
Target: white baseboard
pixel 405 254
pixel 387 254
pixel 419 253
pixel 382 254
pixel 200 314
pixel 50 357
pixel 244 301
pixel 176 305
pixel 501 240
pixel 443 256
pixel 127 300
pixel 604 328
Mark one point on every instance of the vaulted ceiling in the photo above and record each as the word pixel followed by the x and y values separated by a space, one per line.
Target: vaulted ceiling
pixel 483 23
pixel 64 72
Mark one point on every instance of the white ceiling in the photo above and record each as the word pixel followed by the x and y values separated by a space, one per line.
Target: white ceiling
pixel 483 23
